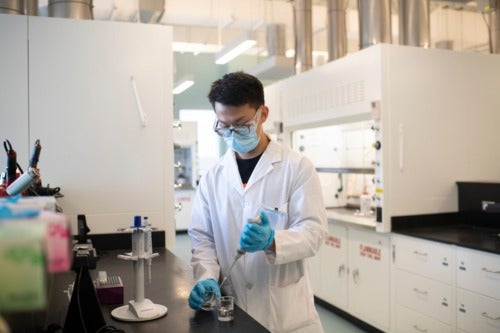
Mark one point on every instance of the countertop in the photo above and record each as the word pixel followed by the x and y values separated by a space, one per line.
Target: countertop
pixel 474 230
pixel 170 286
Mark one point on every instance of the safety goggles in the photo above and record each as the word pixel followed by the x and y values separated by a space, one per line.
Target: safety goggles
pixel 243 129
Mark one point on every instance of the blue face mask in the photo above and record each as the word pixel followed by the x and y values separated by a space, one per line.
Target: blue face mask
pixel 243 144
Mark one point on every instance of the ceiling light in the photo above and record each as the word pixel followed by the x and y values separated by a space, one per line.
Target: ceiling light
pixel 235 48
pixel 182 85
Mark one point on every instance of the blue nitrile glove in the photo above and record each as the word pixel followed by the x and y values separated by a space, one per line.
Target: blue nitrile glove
pixel 256 237
pixel 197 295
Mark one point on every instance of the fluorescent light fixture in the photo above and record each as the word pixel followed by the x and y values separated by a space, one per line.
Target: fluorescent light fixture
pixel 182 85
pixel 235 48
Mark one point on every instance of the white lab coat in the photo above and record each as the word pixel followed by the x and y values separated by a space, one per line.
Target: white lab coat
pixel 274 289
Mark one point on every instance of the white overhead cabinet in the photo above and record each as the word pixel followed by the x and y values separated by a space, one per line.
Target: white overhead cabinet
pixel 100 102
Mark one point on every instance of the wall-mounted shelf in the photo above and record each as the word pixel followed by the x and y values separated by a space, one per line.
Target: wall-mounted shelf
pixel 347 170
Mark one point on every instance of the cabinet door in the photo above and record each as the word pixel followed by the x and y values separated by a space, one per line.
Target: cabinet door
pixel 408 321
pixel 479 271
pixel 334 266
pixel 430 259
pixel 14 87
pixel 477 313
pixel 89 80
pixel 368 257
pixel 432 298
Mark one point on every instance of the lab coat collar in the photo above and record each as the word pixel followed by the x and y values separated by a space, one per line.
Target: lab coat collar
pixel 229 168
pixel 272 155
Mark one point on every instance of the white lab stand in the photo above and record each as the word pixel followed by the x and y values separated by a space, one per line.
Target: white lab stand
pixel 140 308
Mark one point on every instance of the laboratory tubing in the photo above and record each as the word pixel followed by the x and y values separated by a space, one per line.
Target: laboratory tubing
pixel 239 252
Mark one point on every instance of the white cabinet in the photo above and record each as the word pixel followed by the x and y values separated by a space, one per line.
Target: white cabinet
pixel 478 293
pixel 100 102
pixel 354 273
pixel 14 87
pixel 441 285
pixel 423 275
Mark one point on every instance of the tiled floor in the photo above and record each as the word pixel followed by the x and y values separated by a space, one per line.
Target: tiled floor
pixel 331 322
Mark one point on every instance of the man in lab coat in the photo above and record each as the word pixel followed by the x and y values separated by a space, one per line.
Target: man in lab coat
pixel 257 177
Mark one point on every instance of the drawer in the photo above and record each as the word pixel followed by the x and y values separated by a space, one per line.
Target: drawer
pixel 409 321
pixel 477 313
pixel 479 272
pixel 429 297
pixel 430 259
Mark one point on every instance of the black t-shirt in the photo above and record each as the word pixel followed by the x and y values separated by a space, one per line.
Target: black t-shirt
pixel 245 167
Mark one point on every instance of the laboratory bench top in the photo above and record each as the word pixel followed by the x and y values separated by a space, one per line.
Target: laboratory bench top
pixel 474 230
pixel 171 283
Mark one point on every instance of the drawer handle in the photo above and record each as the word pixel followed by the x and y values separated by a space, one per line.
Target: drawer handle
pixel 419 329
pixel 485 314
pixel 421 292
pixel 423 254
pixel 490 271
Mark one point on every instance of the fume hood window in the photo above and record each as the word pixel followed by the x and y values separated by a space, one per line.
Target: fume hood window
pixel 343 156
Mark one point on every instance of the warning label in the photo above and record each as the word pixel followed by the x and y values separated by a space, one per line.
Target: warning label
pixel 333 241
pixel 369 252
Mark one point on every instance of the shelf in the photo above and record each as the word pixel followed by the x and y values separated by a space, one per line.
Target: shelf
pixel 369 171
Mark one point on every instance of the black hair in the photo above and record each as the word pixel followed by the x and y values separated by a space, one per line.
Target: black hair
pixel 236 89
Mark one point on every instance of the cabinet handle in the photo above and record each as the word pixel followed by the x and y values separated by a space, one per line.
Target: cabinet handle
pixel 355 275
pixel 421 292
pixel 341 269
pixel 423 254
pixel 419 329
pixel 142 114
pixel 490 271
pixel 485 314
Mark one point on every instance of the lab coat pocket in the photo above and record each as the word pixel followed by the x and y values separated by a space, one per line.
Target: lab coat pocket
pixel 277 215
pixel 290 307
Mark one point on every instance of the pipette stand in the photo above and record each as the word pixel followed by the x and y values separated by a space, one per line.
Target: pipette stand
pixel 141 308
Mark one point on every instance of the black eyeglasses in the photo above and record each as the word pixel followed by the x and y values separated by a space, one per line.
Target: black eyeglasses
pixel 244 129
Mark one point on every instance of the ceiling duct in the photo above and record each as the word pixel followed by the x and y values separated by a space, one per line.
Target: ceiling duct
pixel 414 23
pixel 19 7
pixel 81 9
pixel 302 10
pixel 151 11
pixel 276 39
pixel 337 29
pixel 15 7
pixel 495 28
pixel 374 22
pixel 31 7
pixel 276 66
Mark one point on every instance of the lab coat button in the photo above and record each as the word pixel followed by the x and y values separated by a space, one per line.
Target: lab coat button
pixel 249 286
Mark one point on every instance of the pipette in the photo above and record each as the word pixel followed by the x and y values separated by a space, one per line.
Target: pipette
pixel 239 252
